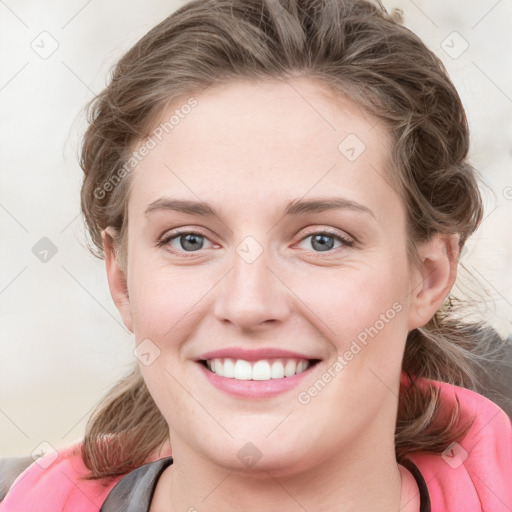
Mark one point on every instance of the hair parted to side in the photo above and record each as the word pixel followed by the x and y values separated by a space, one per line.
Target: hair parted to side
pixel 360 51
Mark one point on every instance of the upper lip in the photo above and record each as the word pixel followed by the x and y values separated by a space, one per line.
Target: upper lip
pixel 253 354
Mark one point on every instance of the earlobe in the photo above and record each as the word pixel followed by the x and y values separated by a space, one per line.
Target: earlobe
pixel 434 278
pixel 116 278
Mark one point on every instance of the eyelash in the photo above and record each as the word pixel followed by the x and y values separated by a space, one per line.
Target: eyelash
pixel 186 254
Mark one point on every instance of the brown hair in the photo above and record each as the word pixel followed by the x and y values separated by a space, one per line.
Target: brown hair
pixel 360 51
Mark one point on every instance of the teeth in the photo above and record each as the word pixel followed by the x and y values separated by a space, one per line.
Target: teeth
pixel 243 370
pixel 301 366
pixel 264 369
pixel 261 370
pixel 290 368
pixel 229 368
pixel 277 370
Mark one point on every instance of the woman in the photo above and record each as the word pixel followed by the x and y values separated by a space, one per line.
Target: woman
pixel 281 193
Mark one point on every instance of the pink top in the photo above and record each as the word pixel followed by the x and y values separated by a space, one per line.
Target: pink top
pixel 473 476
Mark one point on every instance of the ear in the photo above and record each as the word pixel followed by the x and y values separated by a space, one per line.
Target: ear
pixel 434 278
pixel 116 278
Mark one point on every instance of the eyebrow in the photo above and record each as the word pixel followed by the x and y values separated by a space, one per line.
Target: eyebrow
pixel 295 207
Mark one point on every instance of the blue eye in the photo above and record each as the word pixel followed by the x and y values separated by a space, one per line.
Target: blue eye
pixel 188 241
pixel 324 241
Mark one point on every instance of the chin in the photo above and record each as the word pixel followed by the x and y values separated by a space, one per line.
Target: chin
pixel 260 457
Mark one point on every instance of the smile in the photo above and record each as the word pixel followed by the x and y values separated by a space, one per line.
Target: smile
pixel 263 369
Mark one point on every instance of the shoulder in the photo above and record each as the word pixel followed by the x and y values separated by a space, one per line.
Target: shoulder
pixel 10 468
pixel 54 482
pixel 475 472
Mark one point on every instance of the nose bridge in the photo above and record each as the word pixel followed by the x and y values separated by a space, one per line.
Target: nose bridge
pixel 251 294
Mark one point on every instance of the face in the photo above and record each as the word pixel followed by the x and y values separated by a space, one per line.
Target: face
pixel 264 239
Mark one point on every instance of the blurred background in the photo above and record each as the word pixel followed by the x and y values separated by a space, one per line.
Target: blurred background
pixel 62 341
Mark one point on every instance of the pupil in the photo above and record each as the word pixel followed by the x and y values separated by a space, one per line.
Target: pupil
pixel 191 239
pixel 321 240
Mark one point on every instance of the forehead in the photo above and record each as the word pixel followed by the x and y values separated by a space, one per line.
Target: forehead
pixel 250 143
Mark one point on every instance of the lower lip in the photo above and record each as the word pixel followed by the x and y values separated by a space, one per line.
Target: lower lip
pixel 254 388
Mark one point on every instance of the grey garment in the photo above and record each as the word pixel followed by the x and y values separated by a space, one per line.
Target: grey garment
pixel 10 468
pixel 496 380
pixel 134 492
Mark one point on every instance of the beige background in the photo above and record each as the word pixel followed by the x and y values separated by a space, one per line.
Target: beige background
pixel 62 342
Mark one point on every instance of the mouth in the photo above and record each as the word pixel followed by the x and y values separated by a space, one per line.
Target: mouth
pixel 259 370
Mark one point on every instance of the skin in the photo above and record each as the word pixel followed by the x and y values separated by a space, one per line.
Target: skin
pixel 248 159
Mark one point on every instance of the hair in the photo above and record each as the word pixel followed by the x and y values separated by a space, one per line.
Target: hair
pixel 362 52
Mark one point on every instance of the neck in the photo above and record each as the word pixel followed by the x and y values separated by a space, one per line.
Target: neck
pixel 342 483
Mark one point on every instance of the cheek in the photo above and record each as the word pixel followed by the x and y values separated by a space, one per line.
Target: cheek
pixel 361 311
pixel 354 298
pixel 161 297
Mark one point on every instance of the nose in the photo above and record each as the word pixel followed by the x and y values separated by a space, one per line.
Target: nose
pixel 252 296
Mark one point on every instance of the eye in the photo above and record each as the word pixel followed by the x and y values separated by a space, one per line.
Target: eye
pixel 192 241
pixel 324 241
pixel 184 241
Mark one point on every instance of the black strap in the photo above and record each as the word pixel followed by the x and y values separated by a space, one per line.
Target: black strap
pixel 422 485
